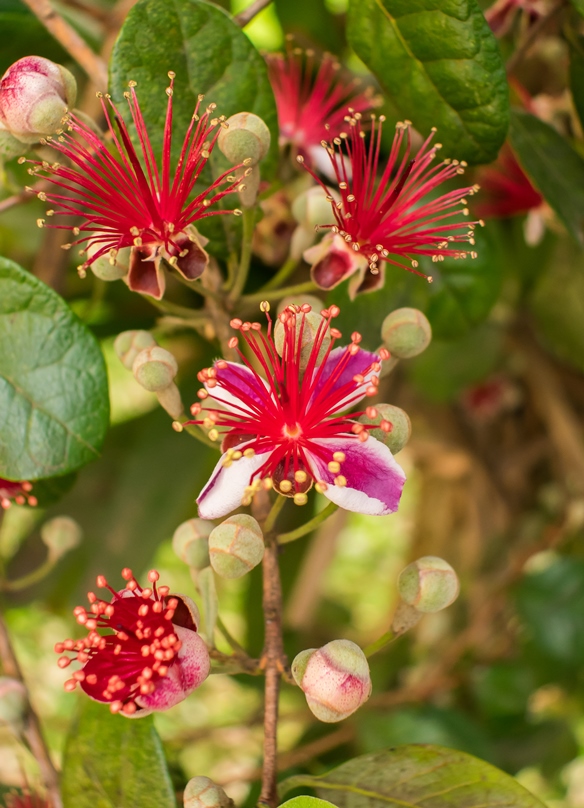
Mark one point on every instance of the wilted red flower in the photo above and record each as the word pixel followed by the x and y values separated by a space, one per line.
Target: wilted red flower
pixel 18 492
pixel 127 201
pixel 393 215
pixel 286 428
pixel 153 659
pixel 312 101
pixel 505 188
pixel 27 799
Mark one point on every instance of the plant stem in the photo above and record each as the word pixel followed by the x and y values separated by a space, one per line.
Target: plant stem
pixel 197 433
pixel 281 275
pixel 273 662
pixel 245 259
pixel 32 729
pixel 532 35
pixel 250 12
pixel 277 294
pixel 30 578
pixel 279 503
pixel 384 640
pixel 284 538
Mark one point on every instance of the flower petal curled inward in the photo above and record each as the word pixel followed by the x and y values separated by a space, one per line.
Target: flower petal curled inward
pixel 226 488
pixel 333 261
pixel 374 479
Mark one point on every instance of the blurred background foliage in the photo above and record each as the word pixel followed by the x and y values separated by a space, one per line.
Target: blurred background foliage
pixel 495 464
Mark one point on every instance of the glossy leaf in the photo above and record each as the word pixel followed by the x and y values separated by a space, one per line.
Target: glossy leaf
pixel 440 64
pixel 306 802
pixel 553 165
pixel 114 762
pixel 412 775
pixel 53 385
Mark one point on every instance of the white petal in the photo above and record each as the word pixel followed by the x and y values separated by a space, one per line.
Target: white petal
pixel 226 487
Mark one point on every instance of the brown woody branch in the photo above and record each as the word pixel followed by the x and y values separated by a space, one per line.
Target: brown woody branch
pixel 250 12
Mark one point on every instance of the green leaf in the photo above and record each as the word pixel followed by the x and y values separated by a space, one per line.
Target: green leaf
pixel 577 71
pixel 209 54
pixel 306 802
pixel 53 384
pixel 553 165
pixel 440 64
pixel 114 762
pixel 578 5
pixel 412 775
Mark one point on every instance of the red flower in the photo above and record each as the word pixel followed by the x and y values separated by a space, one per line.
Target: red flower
pixel 18 492
pixel 395 215
pixel 127 201
pixel 312 102
pixel 286 428
pixel 506 189
pixel 153 659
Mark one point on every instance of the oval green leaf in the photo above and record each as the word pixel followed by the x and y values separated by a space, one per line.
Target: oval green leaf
pixel 440 64
pixel 306 802
pixel 114 762
pixel 417 774
pixel 553 165
pixel 54 406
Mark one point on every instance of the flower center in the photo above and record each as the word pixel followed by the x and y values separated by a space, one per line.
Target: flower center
pixel 292 431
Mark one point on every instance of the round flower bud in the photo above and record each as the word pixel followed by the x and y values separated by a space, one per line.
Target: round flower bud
pixel 61 534
pixel 428 584
pixel 246 138
pixel 236 546
pixel 154 368
pixel 314 302
pixel 128 345
pixel 312 322
pixel 395 437
pixel 35 94
pixel 406 332
pixel 190 542
pixel 335 679
pixel 311 208
pixel 13 702
pixel 202 792
pixel 109 267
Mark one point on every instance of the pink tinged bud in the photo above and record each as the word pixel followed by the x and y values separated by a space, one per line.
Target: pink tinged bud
pixel 335 679
pixel 35 95
pixel 236 546
pixel 154 369
pixel 202 792
pixel 61 535
pixel 190 542
pixel 13 702
pixel 395 425
pixel 128 345
pixel 428 584
pixel 246 137
pixel 406 332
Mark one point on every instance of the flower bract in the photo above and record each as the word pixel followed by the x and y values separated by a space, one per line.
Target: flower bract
pixel 286 427
pixel 127 200
pixel 391 218
pixel 151 658
pixel 18 492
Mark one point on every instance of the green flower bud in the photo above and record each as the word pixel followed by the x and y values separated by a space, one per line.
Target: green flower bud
pixel 335 679
pixel 110 267
pixel 428 584
pixel 246 138
pixel 9 146
pixel 312 208
pixel 61 534
pixel 312 322
pixel 191 542
pixel 236 546
pixel 406 333
pixel 202 792
pixel 155 368
pixel 128 345
pixel 13 702
pixel 395 437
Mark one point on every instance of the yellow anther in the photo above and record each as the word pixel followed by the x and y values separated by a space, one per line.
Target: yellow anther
pixel 341 481
pixel 339 457
pixel 300 476
pixel 285 486
pixel 213 434
pixel 177 426
pixel 300 499
pixel 334 467
pixel 321 486
pixel 264 306
pixel 237 455
pixel 249 452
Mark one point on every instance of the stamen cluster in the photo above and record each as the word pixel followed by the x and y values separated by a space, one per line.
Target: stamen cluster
pixel 18 492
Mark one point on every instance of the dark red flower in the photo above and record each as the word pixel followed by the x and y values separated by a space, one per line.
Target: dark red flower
pixel 152 658
pixel 505 188
pixel 391 217
pixel 18 492
pixel 127 201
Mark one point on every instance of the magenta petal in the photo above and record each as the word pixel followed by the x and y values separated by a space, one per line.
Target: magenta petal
pixel 226 488
pixel 356 364
pixel 253 392
pixel 146 275
pixel 374 479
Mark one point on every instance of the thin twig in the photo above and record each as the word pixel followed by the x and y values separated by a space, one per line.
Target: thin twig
pixel 250 12
pixel 32 729
pixel 93 65
pixel 533 34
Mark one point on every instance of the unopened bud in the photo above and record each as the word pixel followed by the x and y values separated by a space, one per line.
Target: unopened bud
pixel 406 332
pixel 335 679
pixel 307 326
pixel 246 138
pixel 398 426
pixel 61 534
pixel 202 792
pixel 155 368
pixel 251 186
pixel 236 546
pixel 13 702
pixel 170 399
pixel 191 542
pixel 312 208
pixel 428 584
pixel 128 345
pixel 35 94
pixel 300 300
pixel 111 266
